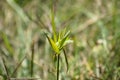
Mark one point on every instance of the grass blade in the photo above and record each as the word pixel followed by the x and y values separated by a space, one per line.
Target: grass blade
pixel 54 46
pixel 53 24
pixel 19 10
pixel 6 69
pixel 25 78
pixel 66 60
pixel 15 70
pixel 32 58
pixel 64 39
pixel 6 42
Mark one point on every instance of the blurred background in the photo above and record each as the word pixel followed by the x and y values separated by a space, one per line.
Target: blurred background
pixel 95 30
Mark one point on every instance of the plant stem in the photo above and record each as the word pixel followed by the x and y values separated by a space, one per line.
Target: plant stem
pixel 32 58
pixel 66 60
pixel 58 67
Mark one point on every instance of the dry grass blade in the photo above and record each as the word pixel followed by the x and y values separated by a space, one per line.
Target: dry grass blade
pixel 5 68
pixel 25 79
pixel 15 70
pixel 67 21
pixel 88 23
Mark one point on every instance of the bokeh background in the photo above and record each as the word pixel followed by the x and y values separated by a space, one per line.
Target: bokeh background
pixel 95 30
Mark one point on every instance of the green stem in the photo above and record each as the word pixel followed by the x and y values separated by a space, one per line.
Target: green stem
pixel 66 60
pixel 32 59
pixel 58 66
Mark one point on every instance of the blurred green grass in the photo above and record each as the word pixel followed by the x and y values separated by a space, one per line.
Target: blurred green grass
pixel 95 30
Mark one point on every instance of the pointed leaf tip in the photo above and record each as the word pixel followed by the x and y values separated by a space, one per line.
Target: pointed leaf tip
pixel 53 44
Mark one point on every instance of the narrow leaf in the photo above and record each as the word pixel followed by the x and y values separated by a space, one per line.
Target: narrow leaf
pixel 19 64
pixel 52 43
pixel 5 68
pixel 67 42
pixel 66 60
pixel 32 58
pixel 53 25
pixel 6 42
pixel 64 39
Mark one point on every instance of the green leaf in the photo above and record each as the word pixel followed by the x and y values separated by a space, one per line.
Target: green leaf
pixel 63 32
pixel 6 42
pixel 67 42
pixel 53 44
pixel 66 60
pixel 53 25
pixel 64 39
pixel 19 10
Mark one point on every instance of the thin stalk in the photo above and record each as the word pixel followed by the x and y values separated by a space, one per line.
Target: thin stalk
pixel 32 58
pixel 58 66
pixel 19 64
pixel 66 60
pixel 6 69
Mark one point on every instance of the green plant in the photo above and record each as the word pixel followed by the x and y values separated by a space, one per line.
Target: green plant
pixel 58 43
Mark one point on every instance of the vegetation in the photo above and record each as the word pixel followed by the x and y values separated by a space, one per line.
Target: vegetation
pixel 34 37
